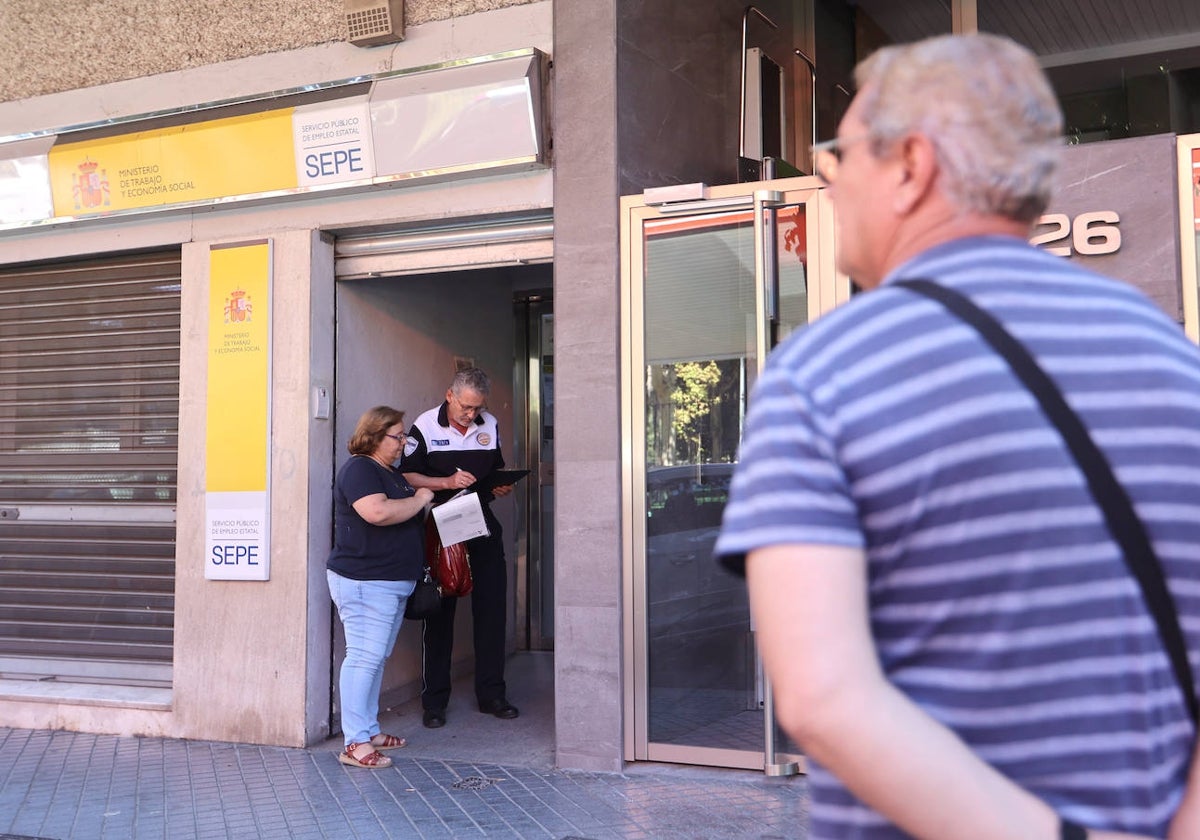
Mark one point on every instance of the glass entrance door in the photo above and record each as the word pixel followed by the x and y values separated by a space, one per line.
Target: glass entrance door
pixel 710 287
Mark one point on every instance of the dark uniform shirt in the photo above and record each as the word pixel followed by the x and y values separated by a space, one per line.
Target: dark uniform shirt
pixel 436 448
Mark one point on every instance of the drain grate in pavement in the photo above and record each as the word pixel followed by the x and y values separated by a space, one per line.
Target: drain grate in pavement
pixel 22 837
pixel 468 783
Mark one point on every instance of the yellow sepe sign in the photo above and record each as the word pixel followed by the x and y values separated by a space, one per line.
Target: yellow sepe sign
pixel 201 161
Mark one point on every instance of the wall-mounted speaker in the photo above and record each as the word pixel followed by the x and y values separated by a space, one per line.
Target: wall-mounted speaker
pixel 373 22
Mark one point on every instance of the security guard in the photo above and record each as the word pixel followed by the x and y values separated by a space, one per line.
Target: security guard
pixel 450 448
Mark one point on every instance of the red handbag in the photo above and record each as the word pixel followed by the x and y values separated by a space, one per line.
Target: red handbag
pixel 448 564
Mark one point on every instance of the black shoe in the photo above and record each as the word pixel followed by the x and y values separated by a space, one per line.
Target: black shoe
pixel 501 708
pixel 434 718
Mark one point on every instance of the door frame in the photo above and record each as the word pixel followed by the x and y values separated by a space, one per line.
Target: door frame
pixel 534 558
pixel 826 289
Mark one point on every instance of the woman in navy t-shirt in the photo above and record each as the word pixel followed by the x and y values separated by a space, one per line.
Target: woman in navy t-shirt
pixel 377 556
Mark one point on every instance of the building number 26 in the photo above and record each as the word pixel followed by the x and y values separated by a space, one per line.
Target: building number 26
pixel 1091 234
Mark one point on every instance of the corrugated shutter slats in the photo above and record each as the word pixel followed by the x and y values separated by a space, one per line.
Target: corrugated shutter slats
pixel 89 422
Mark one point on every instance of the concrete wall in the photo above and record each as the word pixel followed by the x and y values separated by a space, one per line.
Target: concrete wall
pixel 246 652
pixel 679 80
pixel 53 47
pixel 587 544
pixel 321 447
pixel 1136 179
pixel 526 25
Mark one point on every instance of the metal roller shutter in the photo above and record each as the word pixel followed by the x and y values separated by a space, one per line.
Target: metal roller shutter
pixel 89 419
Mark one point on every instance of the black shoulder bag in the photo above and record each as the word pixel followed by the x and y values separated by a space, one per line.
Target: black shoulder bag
pixel 425 600
pixel 1123 522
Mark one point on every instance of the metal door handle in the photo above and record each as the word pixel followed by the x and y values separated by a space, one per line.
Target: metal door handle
pixel 766 270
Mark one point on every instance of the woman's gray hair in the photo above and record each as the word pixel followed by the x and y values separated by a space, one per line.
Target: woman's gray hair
pixel 471 379
pixel 986 106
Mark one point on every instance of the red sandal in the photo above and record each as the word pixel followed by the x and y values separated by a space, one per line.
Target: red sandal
pixel 383 741
pixel 373 760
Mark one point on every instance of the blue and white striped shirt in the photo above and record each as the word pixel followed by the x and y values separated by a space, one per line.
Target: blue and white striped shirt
pixel 998 601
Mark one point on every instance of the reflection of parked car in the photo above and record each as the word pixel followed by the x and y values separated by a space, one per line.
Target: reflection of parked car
pixel 698 612
pixel 683 514
pixel 686 497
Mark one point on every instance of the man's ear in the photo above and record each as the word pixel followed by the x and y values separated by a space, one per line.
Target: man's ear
pixel 917 160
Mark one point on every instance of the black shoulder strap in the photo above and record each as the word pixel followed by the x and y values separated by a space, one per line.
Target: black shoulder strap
pixel 1123 522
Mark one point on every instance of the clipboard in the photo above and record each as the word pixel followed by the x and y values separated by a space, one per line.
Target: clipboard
pixel 496 478
pixel 501 478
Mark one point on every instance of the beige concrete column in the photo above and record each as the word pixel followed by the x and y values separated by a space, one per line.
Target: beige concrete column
pixel 252 658
pixel 587 542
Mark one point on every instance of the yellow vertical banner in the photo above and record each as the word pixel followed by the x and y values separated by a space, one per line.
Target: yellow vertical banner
pixel 237 436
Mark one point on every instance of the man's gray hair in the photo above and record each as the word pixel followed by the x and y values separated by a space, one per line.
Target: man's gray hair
pixel 471 379
pixel 986 106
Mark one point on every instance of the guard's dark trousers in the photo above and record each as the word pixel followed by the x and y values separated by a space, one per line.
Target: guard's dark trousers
pixel 488 608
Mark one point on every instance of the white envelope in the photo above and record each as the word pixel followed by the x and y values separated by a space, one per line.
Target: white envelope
pixel 460 519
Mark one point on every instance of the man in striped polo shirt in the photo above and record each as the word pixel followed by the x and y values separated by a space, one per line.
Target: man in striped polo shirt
pixel 953 636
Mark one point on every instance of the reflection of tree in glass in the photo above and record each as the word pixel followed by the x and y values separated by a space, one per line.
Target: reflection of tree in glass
pixel 693 400
pixel 660 436
pixel 693 412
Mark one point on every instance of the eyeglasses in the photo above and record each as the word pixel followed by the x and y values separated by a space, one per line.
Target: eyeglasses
pixel 400 438
pixel 472 409
pixel 827 156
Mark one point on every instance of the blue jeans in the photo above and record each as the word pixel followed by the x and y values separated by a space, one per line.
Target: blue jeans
pixel 371 613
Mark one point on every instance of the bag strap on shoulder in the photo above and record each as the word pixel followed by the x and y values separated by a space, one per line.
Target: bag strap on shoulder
pixel 1123 522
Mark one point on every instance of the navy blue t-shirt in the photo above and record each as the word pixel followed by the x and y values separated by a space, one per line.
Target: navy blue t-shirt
pixel 362 551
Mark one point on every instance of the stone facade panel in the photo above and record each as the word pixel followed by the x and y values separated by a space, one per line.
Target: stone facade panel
pixel 55 47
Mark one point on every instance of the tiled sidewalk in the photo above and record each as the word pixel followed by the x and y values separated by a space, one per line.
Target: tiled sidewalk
pixel 70 786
